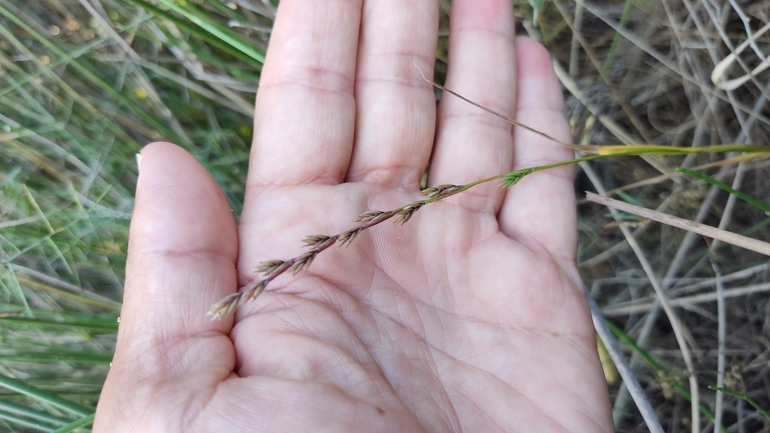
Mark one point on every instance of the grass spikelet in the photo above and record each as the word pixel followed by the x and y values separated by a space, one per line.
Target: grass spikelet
pixel 514 177
pixel 441 191
pixel 319 241
pixel 346 238
pixel 273 267
pixel 230 303
pixel 303 262
pixel 374 216
pixel 406 212
pixel 226 306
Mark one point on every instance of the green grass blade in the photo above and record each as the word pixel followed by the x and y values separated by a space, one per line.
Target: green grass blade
pixel 29 413
pixel 75 54
pixel 629 198
pixel 748 199
pixel 616 40
pixel 57 354
pixel 745 397
pixel 82 422
pixel 659 368
pixel 34 322
pixel 756 227
pixel 14 289
pixel 36 393
pixel 82 297
pixel 64 86
pixel 26 422
pixel 205 22
pixel 199 32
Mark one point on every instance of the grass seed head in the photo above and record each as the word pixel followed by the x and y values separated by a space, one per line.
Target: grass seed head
pixel 226 306
pixel 406 212
pixel 514 177
pixel 347 237
pixel 319 242
pixel 303 262
pixel 258 289
pixel 273 267
pixel 441 191
pixel 374 216
pixel 229 304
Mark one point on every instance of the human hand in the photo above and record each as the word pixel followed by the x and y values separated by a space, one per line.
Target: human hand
pixel 468 318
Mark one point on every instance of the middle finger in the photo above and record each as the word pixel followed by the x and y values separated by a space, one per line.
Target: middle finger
pixel 395 107
pixel 472 143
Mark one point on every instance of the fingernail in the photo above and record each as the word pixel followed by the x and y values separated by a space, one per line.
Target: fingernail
pixel 138 162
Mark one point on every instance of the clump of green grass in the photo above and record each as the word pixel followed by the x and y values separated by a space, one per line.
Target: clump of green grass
pixel 83 86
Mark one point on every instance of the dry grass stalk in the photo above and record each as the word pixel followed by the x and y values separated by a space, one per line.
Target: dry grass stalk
pixel 692 226
pixel 271 269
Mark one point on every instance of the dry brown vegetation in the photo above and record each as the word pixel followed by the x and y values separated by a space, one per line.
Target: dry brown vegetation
pixel 640 72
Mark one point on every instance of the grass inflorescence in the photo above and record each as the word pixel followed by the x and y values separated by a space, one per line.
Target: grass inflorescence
pixel 271 269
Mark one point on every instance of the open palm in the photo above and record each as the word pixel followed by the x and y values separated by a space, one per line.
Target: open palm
pixel 468 318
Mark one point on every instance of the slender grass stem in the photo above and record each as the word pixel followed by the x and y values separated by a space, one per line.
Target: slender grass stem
pixel 318 243
pixel 745 397
pixel 74 425
pixel 252 59
pixel 36 393
pixel 745 197
pixel 664 373
pixel 216 29
pixel 29 413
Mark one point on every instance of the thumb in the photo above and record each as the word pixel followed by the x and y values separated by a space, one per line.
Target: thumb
pixel 181 260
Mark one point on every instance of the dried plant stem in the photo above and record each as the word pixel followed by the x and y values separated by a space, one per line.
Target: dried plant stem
pixel 634 388
pixel 692 226
pixel 610 150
